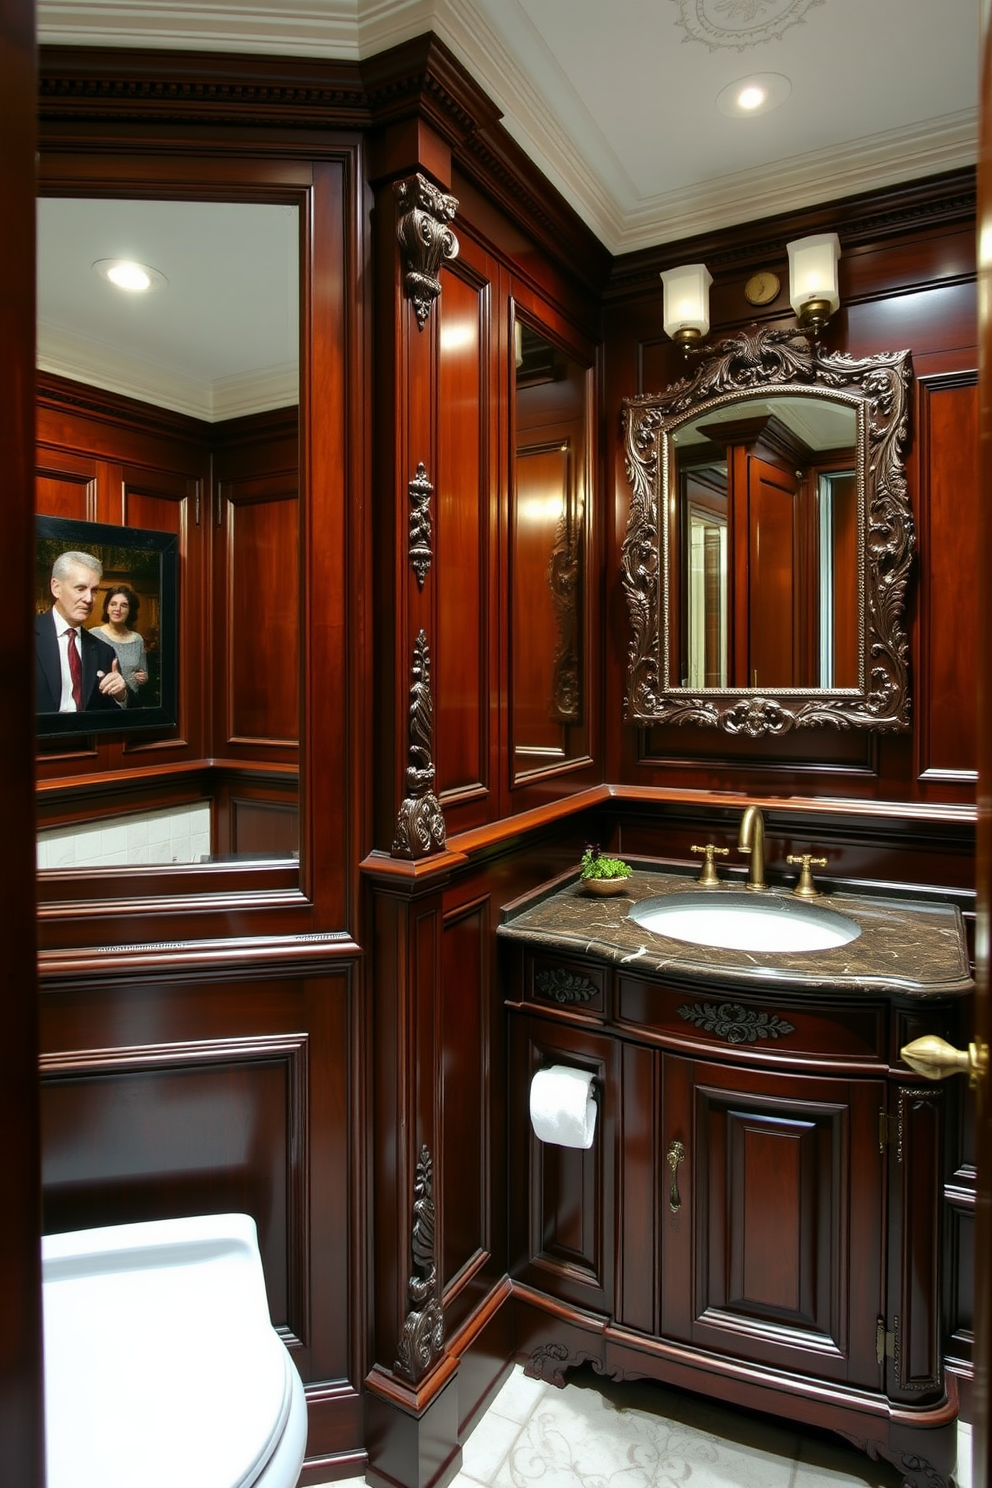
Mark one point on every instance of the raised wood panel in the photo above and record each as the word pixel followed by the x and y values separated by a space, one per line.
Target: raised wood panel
pixel 66 485
pixel 163 501
pixel 466 1096
pixel 266 828
pixel 462 570
pixel 260 681
pixel 781 1171
pixel 949 591
pixel 205 1096
pixel 141 1134
pixel 916 1242
pixel 561 1211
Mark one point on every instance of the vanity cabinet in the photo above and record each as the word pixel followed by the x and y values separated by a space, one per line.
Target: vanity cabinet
pixel 758 1217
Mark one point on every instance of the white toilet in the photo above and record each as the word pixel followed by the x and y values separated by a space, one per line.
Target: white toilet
pixel 162 1368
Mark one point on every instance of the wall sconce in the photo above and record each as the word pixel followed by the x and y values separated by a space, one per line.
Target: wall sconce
pixel 687 303
pixel 813 291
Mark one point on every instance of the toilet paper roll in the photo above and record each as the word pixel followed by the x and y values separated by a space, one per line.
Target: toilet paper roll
pixel 562 1106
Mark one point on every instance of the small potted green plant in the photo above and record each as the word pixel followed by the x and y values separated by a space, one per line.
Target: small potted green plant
pixel 602 875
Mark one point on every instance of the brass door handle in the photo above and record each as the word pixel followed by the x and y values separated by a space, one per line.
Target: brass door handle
pixel 674 1155
pixel 934 1058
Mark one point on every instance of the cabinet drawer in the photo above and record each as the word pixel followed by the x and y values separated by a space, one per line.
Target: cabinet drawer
pixel 817 1028
pixel 558 981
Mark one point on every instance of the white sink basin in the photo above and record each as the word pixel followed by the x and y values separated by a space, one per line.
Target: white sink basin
pixel 745 921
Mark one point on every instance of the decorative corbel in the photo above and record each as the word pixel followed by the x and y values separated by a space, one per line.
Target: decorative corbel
pixel 425 239
pixel 421 1341
pixel 420 492
pixel 419 824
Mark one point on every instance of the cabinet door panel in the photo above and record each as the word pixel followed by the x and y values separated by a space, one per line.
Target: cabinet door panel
pixel 773 1247
pixel 561 1198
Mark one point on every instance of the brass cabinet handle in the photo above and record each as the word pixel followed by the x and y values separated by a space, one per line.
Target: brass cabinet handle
pixel 674 1155
pixel 935 1059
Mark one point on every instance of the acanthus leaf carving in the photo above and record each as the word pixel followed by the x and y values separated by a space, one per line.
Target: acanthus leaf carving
pixel 421 1340
pixel 425 239
pixel 420 823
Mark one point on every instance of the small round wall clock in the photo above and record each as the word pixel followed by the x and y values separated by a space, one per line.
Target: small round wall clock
pixel 762 288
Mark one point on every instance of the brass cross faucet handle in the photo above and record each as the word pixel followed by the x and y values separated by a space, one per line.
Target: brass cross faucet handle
pixel 708 877
pixel 806 888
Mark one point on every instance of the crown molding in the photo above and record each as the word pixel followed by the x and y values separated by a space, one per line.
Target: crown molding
pixel 225 398
pixel 793 185
pixel 861 220
pixel 356 62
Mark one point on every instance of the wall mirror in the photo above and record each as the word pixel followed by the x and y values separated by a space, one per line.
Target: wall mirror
pixel 176 409
pixel 548 704
pixel 770 540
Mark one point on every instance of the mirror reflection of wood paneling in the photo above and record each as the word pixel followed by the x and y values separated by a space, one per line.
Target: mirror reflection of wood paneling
pixel 178 413
pixel 548 726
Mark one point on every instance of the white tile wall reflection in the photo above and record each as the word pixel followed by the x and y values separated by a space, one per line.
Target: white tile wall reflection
pixel 179 835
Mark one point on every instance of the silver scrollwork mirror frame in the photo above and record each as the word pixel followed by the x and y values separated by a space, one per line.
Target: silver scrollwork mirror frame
pixel 749 364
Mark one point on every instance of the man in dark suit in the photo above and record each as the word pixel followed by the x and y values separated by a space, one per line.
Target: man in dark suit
pixel 75 670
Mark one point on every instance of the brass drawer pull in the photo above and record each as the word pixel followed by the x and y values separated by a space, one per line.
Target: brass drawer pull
pixel 675 1154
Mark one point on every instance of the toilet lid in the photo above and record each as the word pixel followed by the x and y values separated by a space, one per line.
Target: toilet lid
pixel 161 1363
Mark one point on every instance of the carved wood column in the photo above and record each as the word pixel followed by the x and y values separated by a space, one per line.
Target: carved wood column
pixel 411 1398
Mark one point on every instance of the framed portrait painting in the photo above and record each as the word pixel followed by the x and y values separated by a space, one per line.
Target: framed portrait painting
pixel 106 637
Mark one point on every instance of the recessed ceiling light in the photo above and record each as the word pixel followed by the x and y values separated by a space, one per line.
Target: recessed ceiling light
pixel 749 96
pixel 124 273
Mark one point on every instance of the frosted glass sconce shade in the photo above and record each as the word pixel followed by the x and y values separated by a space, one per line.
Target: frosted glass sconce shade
pixel 687 303
pixel 813 290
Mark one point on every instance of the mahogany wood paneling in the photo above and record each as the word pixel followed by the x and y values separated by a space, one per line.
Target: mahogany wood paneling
pixel 326 588
pixel 174 1097
pixel 948 408
pixel 66 485
pixel 915 1241
pixel 259 675
pixel 907 281
pixel 783 1181
pixel 255 623
pixel 468 398
pixel 561 1210
pixel 468 1103
pixel 204 1129
pixel 21 1380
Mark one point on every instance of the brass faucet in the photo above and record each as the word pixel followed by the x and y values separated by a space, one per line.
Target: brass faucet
pixel 751 839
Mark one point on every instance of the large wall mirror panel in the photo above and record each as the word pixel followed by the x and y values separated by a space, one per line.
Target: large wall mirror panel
pixel 187 410
pixel 770 541
pixel 550 515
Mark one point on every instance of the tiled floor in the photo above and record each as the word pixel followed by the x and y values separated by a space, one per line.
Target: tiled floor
pixel 597 1434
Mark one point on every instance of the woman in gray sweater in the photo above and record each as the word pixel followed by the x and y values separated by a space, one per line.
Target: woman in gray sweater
pixel 120 615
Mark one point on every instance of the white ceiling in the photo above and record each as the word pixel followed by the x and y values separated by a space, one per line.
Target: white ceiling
pixel 614 100
pixel 219 340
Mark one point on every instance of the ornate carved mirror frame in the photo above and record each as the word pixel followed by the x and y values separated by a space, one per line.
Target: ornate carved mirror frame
pixel 760 363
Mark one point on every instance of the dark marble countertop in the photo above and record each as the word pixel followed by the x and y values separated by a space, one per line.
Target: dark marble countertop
pixel 910 946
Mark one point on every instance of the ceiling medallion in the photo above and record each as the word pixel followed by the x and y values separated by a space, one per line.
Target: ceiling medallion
pixel 739 23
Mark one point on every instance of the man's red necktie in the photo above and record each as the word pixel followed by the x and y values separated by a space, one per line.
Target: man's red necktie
pixel 75 670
